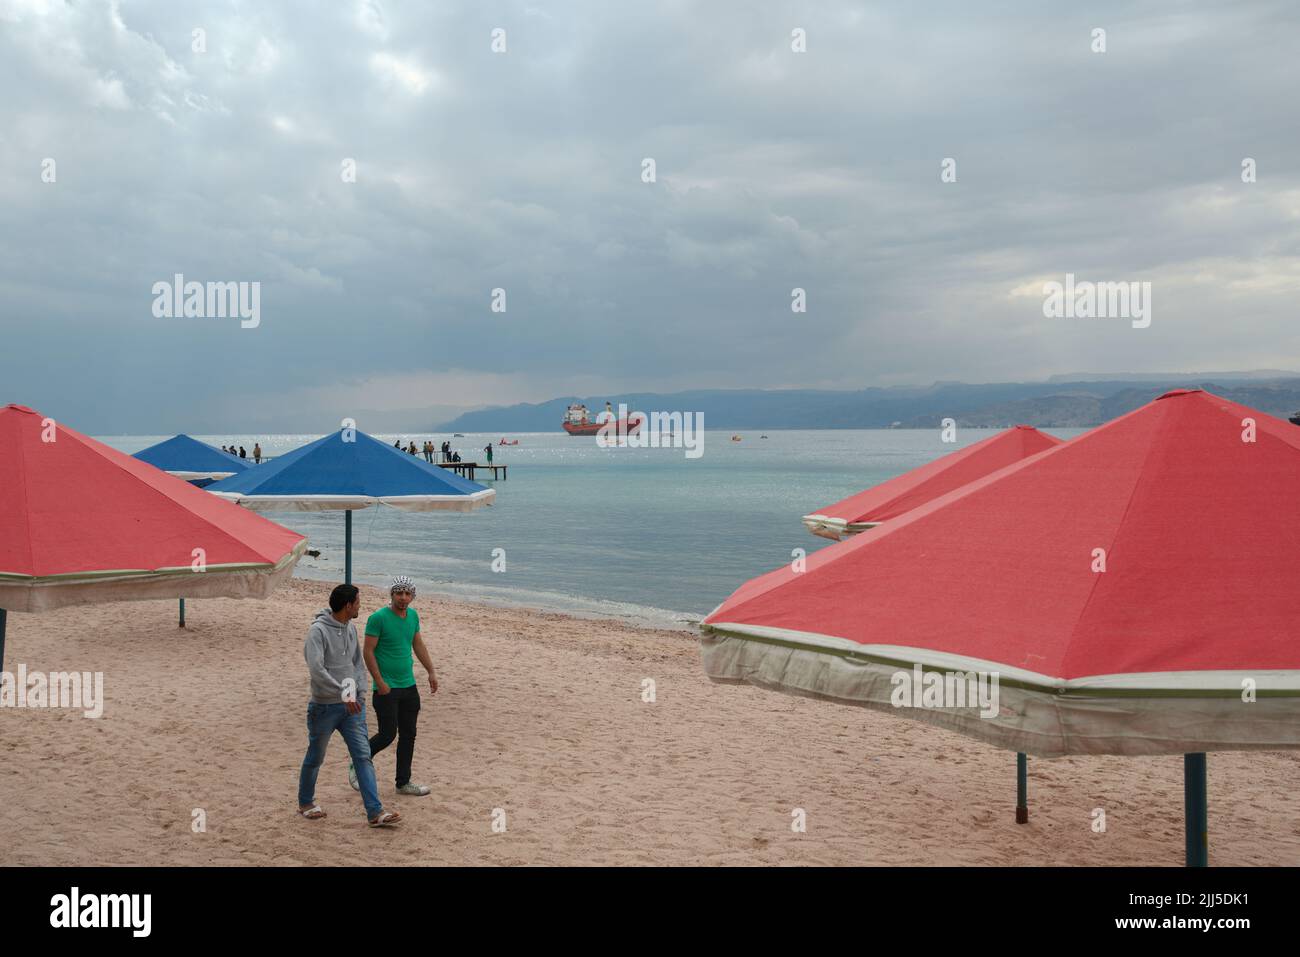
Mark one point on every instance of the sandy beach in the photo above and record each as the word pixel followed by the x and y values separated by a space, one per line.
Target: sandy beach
pixel 542 716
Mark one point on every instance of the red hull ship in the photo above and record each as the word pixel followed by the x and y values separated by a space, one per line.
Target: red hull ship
pixel 578 421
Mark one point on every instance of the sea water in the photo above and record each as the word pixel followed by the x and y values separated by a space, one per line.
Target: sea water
pixel 646 535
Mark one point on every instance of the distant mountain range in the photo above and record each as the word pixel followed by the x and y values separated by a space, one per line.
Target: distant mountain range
pixel 1057 403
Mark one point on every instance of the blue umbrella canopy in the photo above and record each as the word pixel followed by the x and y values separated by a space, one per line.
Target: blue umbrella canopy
pixel 349 470
pixel 191 459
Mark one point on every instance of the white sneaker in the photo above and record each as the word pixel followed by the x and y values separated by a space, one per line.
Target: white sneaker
pixel 418 790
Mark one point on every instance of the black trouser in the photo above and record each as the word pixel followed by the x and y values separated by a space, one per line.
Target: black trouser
pixel 397 712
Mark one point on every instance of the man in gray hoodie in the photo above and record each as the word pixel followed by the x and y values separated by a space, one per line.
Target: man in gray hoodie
pixel 338 676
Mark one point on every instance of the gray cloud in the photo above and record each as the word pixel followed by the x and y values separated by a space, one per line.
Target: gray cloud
pixel 775 170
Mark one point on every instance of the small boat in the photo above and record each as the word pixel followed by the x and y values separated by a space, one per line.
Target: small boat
pixel 1295 418
pixel 458 435
pixel 504 442
pixel 735 438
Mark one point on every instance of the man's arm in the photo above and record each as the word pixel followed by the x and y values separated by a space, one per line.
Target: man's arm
pixel 421 652
pixel 372 641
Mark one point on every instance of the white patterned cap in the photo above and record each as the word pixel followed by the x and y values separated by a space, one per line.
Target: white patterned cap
pixel 402 583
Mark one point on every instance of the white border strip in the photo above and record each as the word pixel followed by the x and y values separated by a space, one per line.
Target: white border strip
pixel 836 529
pixel 1265 680
pixel 190 476
pixel 317 503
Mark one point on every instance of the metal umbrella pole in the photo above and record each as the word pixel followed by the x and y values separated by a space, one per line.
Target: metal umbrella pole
pixel 347 547
pixel 1022 788
pixel 1196 805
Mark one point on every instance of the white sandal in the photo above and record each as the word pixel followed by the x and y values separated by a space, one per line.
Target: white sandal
pixel 313 813
pixel 385 819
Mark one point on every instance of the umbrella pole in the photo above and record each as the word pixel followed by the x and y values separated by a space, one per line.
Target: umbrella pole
pixel 347 547
pixel 182 622
pixel 1022 788
pixel 1195 810
pixel 3 615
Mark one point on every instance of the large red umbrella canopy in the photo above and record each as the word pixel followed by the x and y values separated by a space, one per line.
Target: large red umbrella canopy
pixel 81 522
pixel 905 492
pixel 1136 589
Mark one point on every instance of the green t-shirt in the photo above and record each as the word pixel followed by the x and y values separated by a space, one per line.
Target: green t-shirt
pixel 393 650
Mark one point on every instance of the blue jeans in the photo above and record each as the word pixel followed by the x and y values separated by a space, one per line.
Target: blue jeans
pixel 322 721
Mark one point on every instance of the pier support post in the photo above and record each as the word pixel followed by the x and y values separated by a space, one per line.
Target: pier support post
pixel 3 615
pixel 182 621
pixel 1196 808
pixel 1022 788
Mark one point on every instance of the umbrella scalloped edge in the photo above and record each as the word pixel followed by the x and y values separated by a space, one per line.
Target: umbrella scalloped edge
pixel 1034 720
pixel 241 581
pixel 326 503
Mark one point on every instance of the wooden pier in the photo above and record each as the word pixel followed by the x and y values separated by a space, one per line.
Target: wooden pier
pixel 466 469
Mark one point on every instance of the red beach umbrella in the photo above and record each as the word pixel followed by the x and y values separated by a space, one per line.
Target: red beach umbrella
pixel 1135 590
pixel 81 522
pixel 901 494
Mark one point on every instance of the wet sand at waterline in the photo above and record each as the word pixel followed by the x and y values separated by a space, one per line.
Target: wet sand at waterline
pixel 542 716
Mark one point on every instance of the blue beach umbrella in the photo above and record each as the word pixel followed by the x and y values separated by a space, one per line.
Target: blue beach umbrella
pixel 350 470
pixel 192 460
pixel 196 462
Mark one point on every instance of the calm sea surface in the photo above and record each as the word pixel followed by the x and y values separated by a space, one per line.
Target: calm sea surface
pixel 643 534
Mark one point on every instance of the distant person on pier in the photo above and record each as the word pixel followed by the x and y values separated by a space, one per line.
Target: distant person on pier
pixel 455 456
pixel 488 449
pixel 242 453
pixel 257 453
pixel 397 444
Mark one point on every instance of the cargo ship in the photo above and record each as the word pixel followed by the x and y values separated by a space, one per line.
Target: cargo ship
pixel 578 421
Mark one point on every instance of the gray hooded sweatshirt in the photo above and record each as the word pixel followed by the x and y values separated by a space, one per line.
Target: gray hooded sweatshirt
pixel 334 655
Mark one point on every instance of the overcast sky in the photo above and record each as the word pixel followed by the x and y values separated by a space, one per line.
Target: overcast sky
pixel 522 170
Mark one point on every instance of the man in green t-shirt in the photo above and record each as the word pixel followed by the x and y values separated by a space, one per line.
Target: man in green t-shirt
pixel 392 634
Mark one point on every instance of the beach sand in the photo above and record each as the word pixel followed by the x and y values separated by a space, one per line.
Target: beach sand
pixel 541 715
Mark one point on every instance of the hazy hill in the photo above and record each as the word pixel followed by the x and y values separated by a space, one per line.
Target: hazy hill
pixel 1060 404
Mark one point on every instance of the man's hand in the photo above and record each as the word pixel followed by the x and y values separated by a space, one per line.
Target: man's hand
pixel 354 707
pixel 433 683
pixel 381 687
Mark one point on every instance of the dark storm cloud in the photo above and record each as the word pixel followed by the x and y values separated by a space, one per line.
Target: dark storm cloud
pixel 521 170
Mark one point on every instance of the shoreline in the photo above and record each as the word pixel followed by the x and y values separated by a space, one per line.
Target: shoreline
pixel 541 716
pixel 637 616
